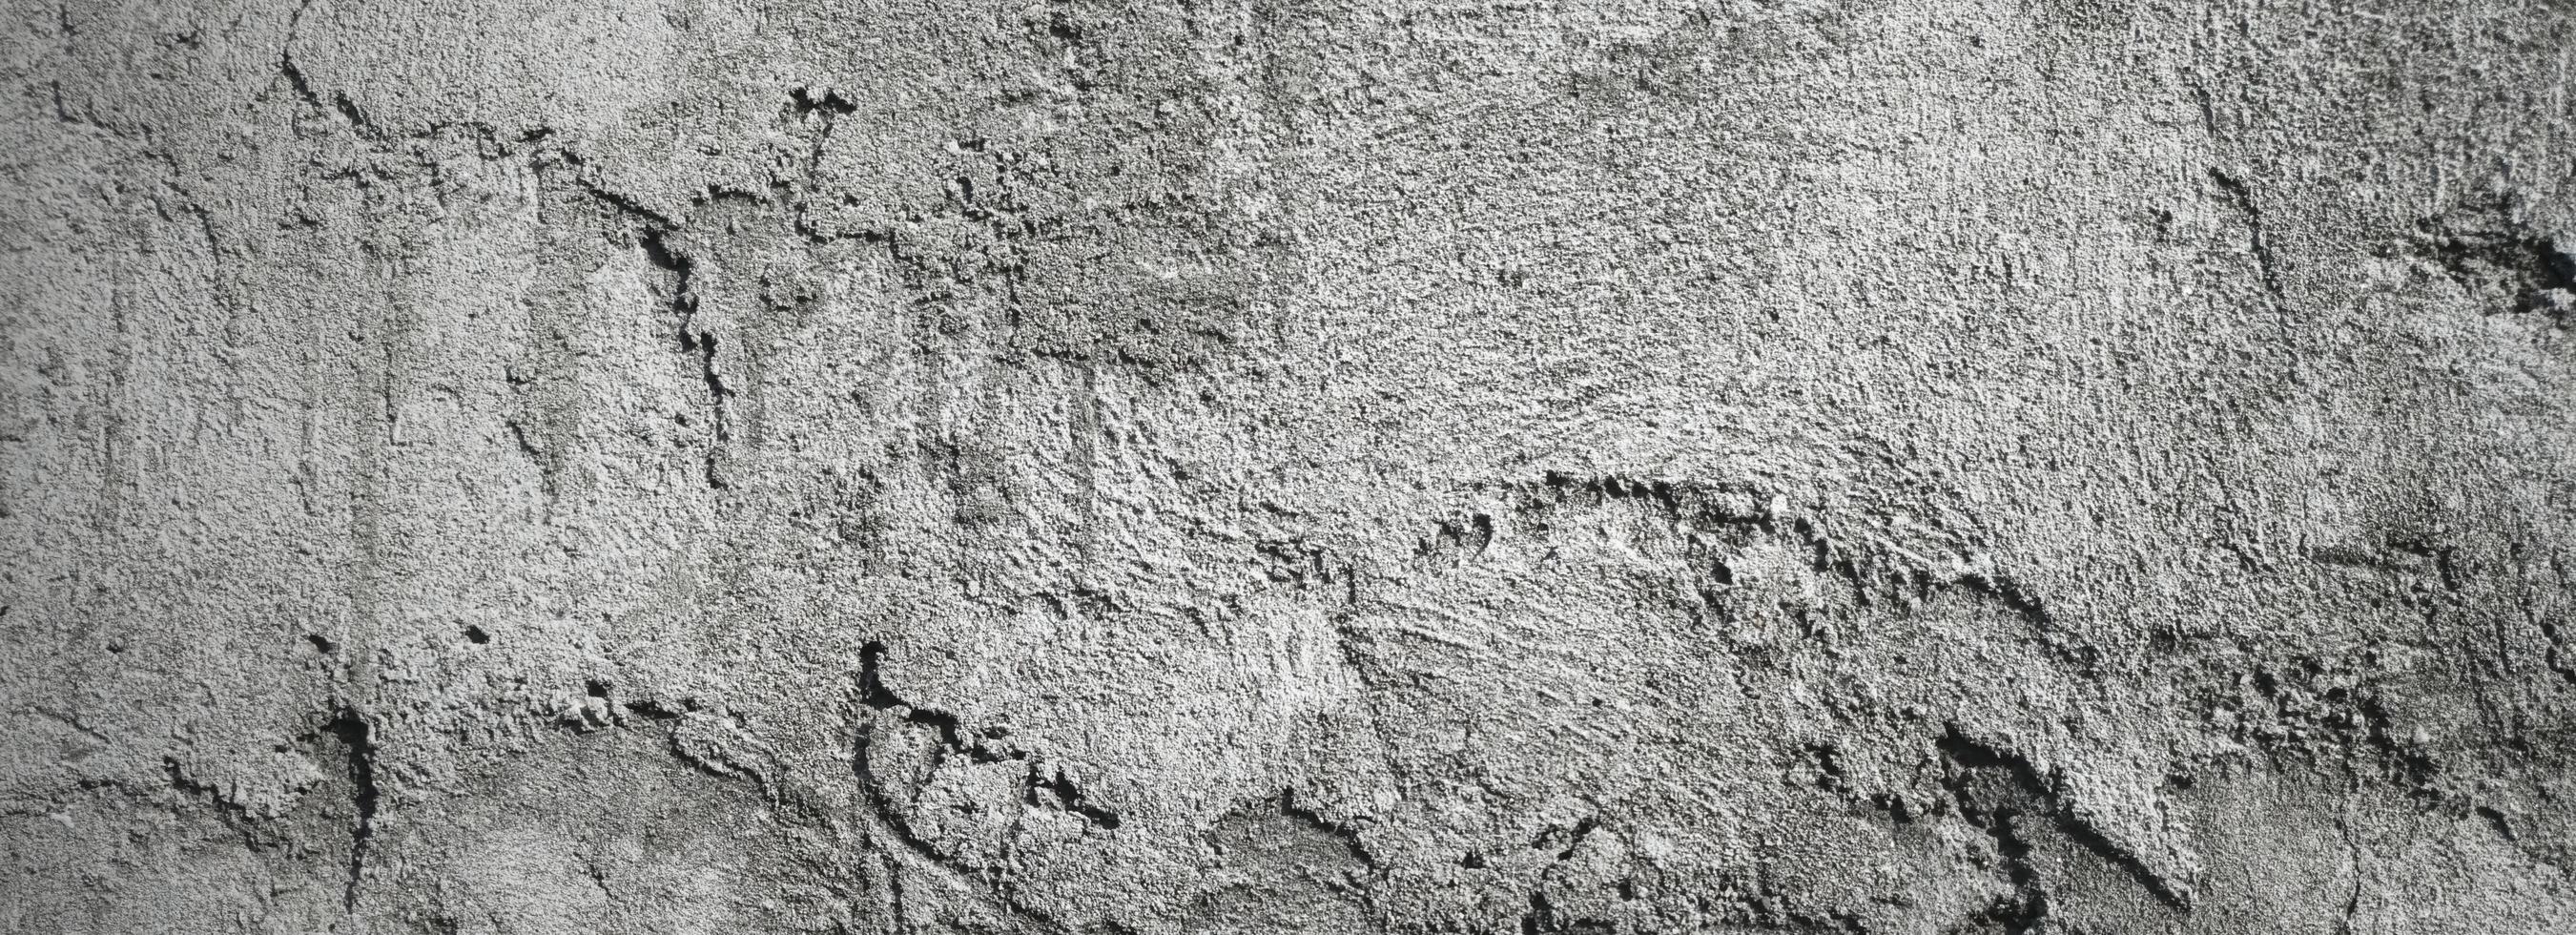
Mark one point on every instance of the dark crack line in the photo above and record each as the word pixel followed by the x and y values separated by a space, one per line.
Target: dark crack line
pixel 2352 856
pixel 357 738
pixel 699 344
pixel 227 810
pixel 1703 507
pixel 881 813
pixel 1349 838
pixel 1069 798
pixel 303 87
pixel 1065 794
pixel 2237 196
pixel 1969 754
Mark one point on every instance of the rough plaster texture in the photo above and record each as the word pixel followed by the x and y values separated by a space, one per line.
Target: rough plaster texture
pixel 1891 466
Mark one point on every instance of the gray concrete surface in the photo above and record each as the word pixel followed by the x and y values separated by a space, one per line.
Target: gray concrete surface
pixel 1888 466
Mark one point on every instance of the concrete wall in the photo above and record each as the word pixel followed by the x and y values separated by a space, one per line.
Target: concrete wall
pixel 1889 466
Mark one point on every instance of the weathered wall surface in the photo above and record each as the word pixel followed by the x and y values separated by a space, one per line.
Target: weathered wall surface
pixel 1892 466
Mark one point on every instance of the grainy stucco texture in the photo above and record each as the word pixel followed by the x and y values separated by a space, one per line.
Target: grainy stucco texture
pixel 1878 466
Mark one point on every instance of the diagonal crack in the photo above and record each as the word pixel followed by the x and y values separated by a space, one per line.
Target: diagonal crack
pixel 2237 196
pixel 1967 754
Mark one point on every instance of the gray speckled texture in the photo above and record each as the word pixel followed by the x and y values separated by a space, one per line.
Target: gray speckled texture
pixel 1885 466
